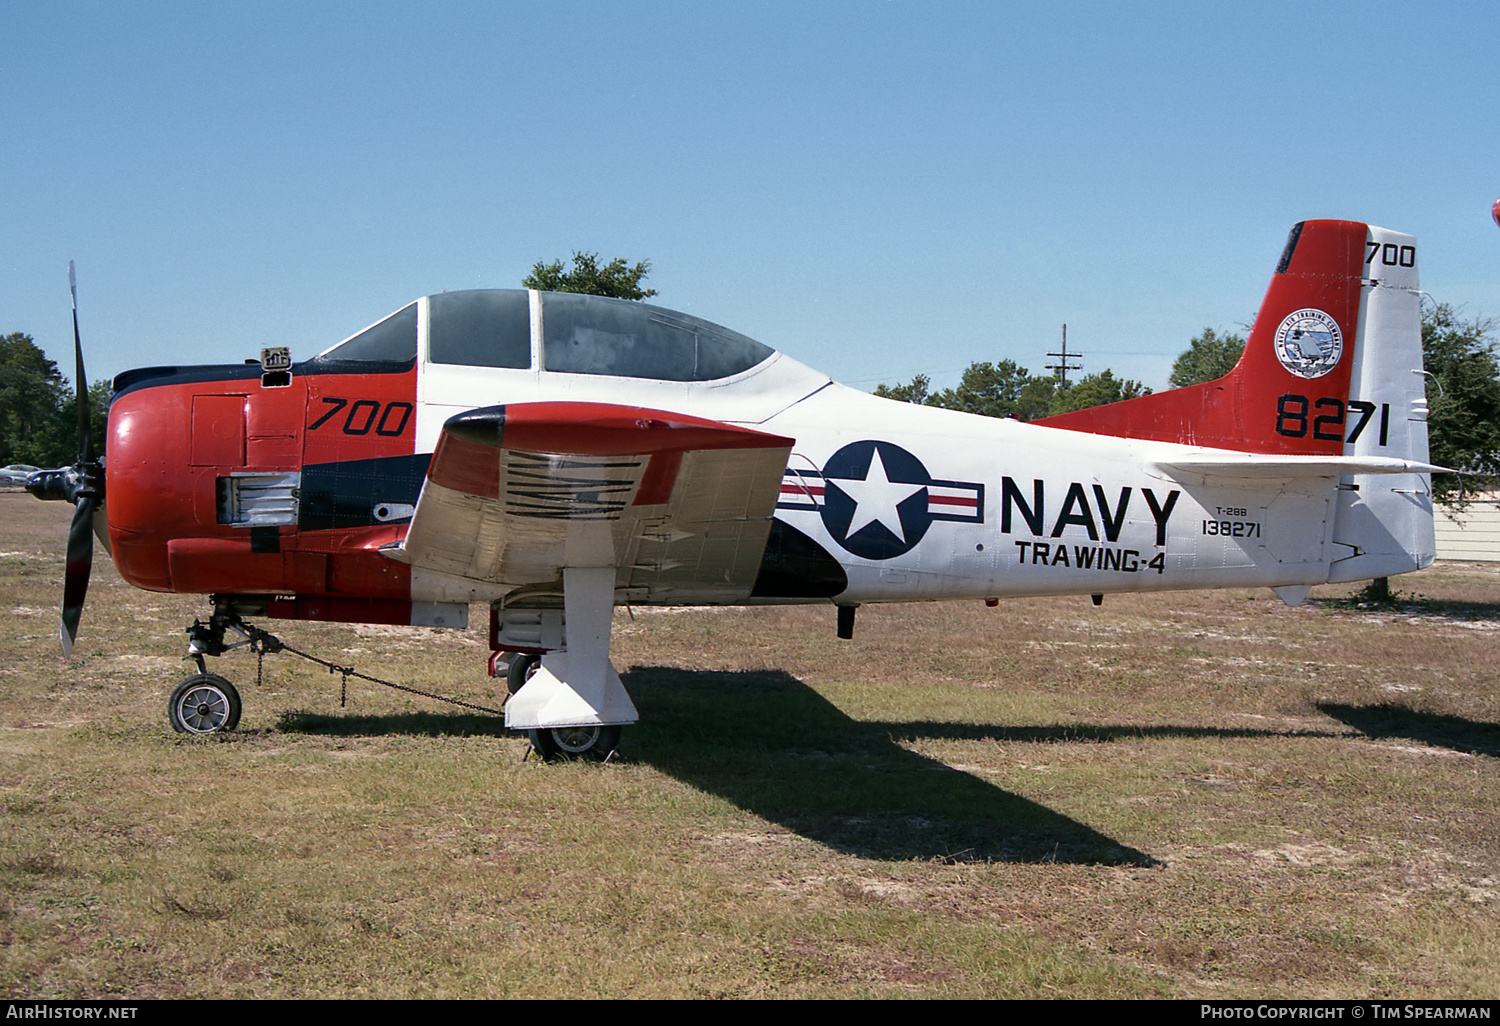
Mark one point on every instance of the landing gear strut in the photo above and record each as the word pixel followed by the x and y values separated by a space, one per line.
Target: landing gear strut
pixel 206 703
pixel 574 705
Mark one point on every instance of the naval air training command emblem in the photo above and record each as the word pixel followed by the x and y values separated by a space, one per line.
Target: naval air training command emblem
pixel 1309 343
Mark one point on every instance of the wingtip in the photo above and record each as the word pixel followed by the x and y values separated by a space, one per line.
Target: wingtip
pixel 484 426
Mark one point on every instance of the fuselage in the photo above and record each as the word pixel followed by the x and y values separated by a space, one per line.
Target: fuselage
pixel 228 480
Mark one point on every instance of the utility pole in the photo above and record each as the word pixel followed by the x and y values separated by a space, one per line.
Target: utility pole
pixel 1063 367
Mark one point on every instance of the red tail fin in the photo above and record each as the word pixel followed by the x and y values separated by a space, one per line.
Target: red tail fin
pixel 1296 366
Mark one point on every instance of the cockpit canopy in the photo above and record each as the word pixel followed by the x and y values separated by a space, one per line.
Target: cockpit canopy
pixel 579 335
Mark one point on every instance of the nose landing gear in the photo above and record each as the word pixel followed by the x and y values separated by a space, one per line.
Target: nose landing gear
pixel 206 703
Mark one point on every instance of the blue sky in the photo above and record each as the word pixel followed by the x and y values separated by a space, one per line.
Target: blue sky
pixel 879 189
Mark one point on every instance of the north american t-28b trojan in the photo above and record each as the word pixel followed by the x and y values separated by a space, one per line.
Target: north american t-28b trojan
pixel 555 455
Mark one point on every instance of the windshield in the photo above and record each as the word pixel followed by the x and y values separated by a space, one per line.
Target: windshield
pixel 391 340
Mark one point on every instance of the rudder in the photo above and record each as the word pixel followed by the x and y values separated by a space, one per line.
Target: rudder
pixel 1383 522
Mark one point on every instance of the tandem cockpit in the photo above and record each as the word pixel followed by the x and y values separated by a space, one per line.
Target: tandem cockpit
pixel 479 347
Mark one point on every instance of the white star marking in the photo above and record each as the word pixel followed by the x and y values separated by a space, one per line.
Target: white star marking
pixel 876 498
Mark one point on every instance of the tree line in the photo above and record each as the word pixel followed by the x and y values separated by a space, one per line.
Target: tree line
pixel 1006 389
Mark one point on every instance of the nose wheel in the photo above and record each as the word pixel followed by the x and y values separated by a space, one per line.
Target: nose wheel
pixel 205 703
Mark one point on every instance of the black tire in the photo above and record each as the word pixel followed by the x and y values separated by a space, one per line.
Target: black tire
pixel 565 744
pixel 522 666
pixel 205 703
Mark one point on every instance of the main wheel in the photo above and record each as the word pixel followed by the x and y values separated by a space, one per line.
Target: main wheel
pixel 561 744
pixel 522 666
pixel 205 703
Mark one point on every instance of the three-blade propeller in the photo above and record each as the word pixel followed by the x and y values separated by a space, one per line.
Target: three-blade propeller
pixel 81 484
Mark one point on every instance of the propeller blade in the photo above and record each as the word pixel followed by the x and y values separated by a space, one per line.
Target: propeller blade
pixel 85 429
pixel 81 484
pixel 80 563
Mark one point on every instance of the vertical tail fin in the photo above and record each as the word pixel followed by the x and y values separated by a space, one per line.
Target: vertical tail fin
pixel 1333 367
pixel 1291 391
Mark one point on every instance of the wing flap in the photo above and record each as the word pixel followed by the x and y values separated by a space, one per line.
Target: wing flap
pixel 713 531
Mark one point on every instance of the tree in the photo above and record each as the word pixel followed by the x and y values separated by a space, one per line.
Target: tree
pixel 38 411
pixel 1463 396
pixel 915 392
pixel 616 278
pixel 33 426
pixel 1006 389
pixel 1207 357
pixel 988 389
pixel 1096 390
pixel 101 394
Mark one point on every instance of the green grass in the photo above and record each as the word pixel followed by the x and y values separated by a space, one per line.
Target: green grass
pixel 1201 795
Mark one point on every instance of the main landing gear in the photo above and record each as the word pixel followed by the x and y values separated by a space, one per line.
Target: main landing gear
pixel 558 744
pixel 593 742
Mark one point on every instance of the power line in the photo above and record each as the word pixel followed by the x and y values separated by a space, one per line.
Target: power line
pixel 1063 367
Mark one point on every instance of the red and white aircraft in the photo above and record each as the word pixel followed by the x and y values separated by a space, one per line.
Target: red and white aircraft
pixel 555 455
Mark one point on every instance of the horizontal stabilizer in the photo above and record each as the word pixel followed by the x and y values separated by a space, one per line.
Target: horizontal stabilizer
pixel 1252 466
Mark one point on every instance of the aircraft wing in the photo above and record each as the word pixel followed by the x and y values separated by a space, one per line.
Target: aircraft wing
pixel 680 506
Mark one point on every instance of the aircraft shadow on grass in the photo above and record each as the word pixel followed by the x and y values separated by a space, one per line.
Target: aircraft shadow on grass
pixel 775 747
pixel 1408 605
pixel 1387 721
pixel 418 724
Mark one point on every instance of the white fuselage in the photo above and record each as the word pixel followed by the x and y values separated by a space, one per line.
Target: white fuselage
pixel 922 503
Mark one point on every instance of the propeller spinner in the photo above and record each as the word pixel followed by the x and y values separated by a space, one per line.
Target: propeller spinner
pixel 81 484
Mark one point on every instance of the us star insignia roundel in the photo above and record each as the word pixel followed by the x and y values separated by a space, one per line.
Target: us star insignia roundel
pixel 877 500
